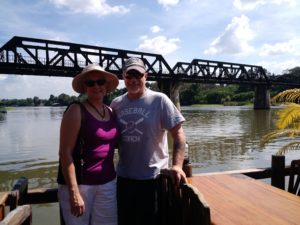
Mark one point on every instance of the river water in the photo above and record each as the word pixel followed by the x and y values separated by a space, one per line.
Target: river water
pixel 220 138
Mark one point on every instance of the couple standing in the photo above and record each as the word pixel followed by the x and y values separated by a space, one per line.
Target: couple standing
pixel 136 123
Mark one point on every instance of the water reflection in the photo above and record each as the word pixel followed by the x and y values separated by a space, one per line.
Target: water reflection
pixel 2 117
pixel 226 138
pixel 220 138
pixel 56 113
pixel 29 146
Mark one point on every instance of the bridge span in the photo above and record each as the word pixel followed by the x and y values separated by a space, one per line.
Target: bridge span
pixel 32 56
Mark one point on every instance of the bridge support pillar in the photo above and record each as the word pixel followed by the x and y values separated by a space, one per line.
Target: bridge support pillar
pixel 262 97
pixel 171 89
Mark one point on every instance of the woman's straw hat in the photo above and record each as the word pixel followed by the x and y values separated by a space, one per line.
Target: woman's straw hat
pixel 111 83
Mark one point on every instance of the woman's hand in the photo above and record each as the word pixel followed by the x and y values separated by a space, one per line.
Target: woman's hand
pixel 77 204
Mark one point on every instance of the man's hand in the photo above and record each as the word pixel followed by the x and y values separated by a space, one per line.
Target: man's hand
pixel 176 174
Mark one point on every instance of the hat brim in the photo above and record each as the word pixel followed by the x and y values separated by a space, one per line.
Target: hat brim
pixel 111 83
pixel 135 67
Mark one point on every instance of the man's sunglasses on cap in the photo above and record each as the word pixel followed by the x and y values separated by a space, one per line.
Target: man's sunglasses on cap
pixel 91 83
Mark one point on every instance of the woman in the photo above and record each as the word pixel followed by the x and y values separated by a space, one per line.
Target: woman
pixel 88 136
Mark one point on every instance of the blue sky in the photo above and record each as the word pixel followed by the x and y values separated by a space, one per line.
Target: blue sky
pixel 258 32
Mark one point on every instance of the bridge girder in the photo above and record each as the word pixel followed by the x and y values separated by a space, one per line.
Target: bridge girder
pixel 32 56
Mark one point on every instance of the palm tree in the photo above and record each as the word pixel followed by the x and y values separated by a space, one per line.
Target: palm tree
pixel 288 122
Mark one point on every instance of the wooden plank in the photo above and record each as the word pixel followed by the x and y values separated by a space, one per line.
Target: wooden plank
pixel 239 200
pixel 254 173
pixel 18 216
pixel 42 195
pixel 35 196
pixel 257 173
pixel 3 198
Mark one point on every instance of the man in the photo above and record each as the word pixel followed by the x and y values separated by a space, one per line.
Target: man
pixel 144 117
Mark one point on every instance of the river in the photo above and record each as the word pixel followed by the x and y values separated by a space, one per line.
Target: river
pixel 220 138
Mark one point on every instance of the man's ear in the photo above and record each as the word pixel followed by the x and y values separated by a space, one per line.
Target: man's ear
pixel 146 75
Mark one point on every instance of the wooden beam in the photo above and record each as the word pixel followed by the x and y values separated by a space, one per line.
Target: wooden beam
pixel 42 195
pixel 20 215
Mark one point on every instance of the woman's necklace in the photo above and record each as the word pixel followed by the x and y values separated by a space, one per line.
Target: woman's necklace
pixel 101 115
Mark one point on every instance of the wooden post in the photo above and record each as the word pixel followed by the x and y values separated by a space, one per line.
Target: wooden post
pixel 13 200
pixel 22 187
pixel 187 166
pixel 277 171
pixel 18 194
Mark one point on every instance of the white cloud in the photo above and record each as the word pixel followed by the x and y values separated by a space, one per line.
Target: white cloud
pixel 248 5
pixel 277 67
pixel 235 39
pixel 155 29
pixel 95 7
pixel 159 44
pixel 290 47
pixel 167 3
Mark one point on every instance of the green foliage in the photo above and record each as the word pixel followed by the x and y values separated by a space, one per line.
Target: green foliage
pixel 294 71
pixel 243 96
pixel 288 122
pixel 217 96
pixel 291 95
pixel 110 96
pixel 189 94
pixel 214 94
pixel 36 101
pixel 61 100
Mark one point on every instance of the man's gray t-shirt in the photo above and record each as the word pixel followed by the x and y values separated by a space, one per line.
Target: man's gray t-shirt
pixel 143 124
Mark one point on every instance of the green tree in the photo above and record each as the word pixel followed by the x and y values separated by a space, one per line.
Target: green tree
pixel 36 101
pixel 51 101
pixel 63 99
pixel 243 96
pixel 189 94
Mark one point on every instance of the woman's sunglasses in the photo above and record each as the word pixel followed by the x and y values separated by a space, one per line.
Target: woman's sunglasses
pixel 91 83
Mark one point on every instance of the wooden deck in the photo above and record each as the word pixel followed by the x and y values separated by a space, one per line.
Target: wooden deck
pixel 236 199
pixel 227 198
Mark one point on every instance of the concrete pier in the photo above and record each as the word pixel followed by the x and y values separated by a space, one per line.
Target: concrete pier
pixel 262 97
pixel 171 89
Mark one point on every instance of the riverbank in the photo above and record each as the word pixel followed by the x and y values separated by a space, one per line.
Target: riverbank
pixel 226 104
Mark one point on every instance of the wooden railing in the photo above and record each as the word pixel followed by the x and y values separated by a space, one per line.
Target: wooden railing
pixel 20 195
pixel 20 213
pixel 182 206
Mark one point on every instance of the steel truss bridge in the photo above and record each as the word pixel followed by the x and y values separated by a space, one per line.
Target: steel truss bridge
pixel 31 56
